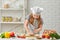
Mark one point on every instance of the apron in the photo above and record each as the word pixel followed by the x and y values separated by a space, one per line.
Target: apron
pixel 34 26
pixel 30 26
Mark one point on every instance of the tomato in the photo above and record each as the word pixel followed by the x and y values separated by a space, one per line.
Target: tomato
pixel 12 34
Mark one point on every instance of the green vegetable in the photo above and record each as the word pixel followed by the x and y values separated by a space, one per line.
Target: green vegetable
pixel 52 36
pixel 55 35
pixel 2 35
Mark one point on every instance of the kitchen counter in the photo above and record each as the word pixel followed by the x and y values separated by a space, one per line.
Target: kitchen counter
pixel 24 39
pixel 27 38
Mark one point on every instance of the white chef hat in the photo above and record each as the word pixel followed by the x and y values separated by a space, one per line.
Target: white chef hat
pixel 36 10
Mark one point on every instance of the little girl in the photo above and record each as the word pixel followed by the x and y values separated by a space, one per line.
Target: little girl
pixel 33 22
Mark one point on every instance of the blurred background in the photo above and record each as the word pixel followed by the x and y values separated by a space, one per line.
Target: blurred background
pixel 50 15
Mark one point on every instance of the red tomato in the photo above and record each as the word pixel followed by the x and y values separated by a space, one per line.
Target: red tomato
pixel 12 34
pixel 43 36
pixel 48 37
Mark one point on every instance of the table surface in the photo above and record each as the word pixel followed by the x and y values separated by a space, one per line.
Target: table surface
pixel 23 39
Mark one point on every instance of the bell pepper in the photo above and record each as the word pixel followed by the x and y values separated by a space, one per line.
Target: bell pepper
pixel 7 34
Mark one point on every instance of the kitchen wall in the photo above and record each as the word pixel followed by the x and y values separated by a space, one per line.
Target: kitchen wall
pixel 0 21
pixel 51 13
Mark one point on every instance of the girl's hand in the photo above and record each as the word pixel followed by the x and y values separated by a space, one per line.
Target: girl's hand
pixel 36 30
pixel 31 34
pixel 39 29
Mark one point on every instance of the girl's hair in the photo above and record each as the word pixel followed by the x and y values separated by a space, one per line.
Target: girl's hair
pixel 31 20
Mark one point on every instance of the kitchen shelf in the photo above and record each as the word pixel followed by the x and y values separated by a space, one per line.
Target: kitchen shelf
pixel 12 22
pixel 11 9
pixel 15 11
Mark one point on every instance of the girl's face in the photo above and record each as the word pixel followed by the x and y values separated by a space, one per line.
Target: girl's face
pixel 35 16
